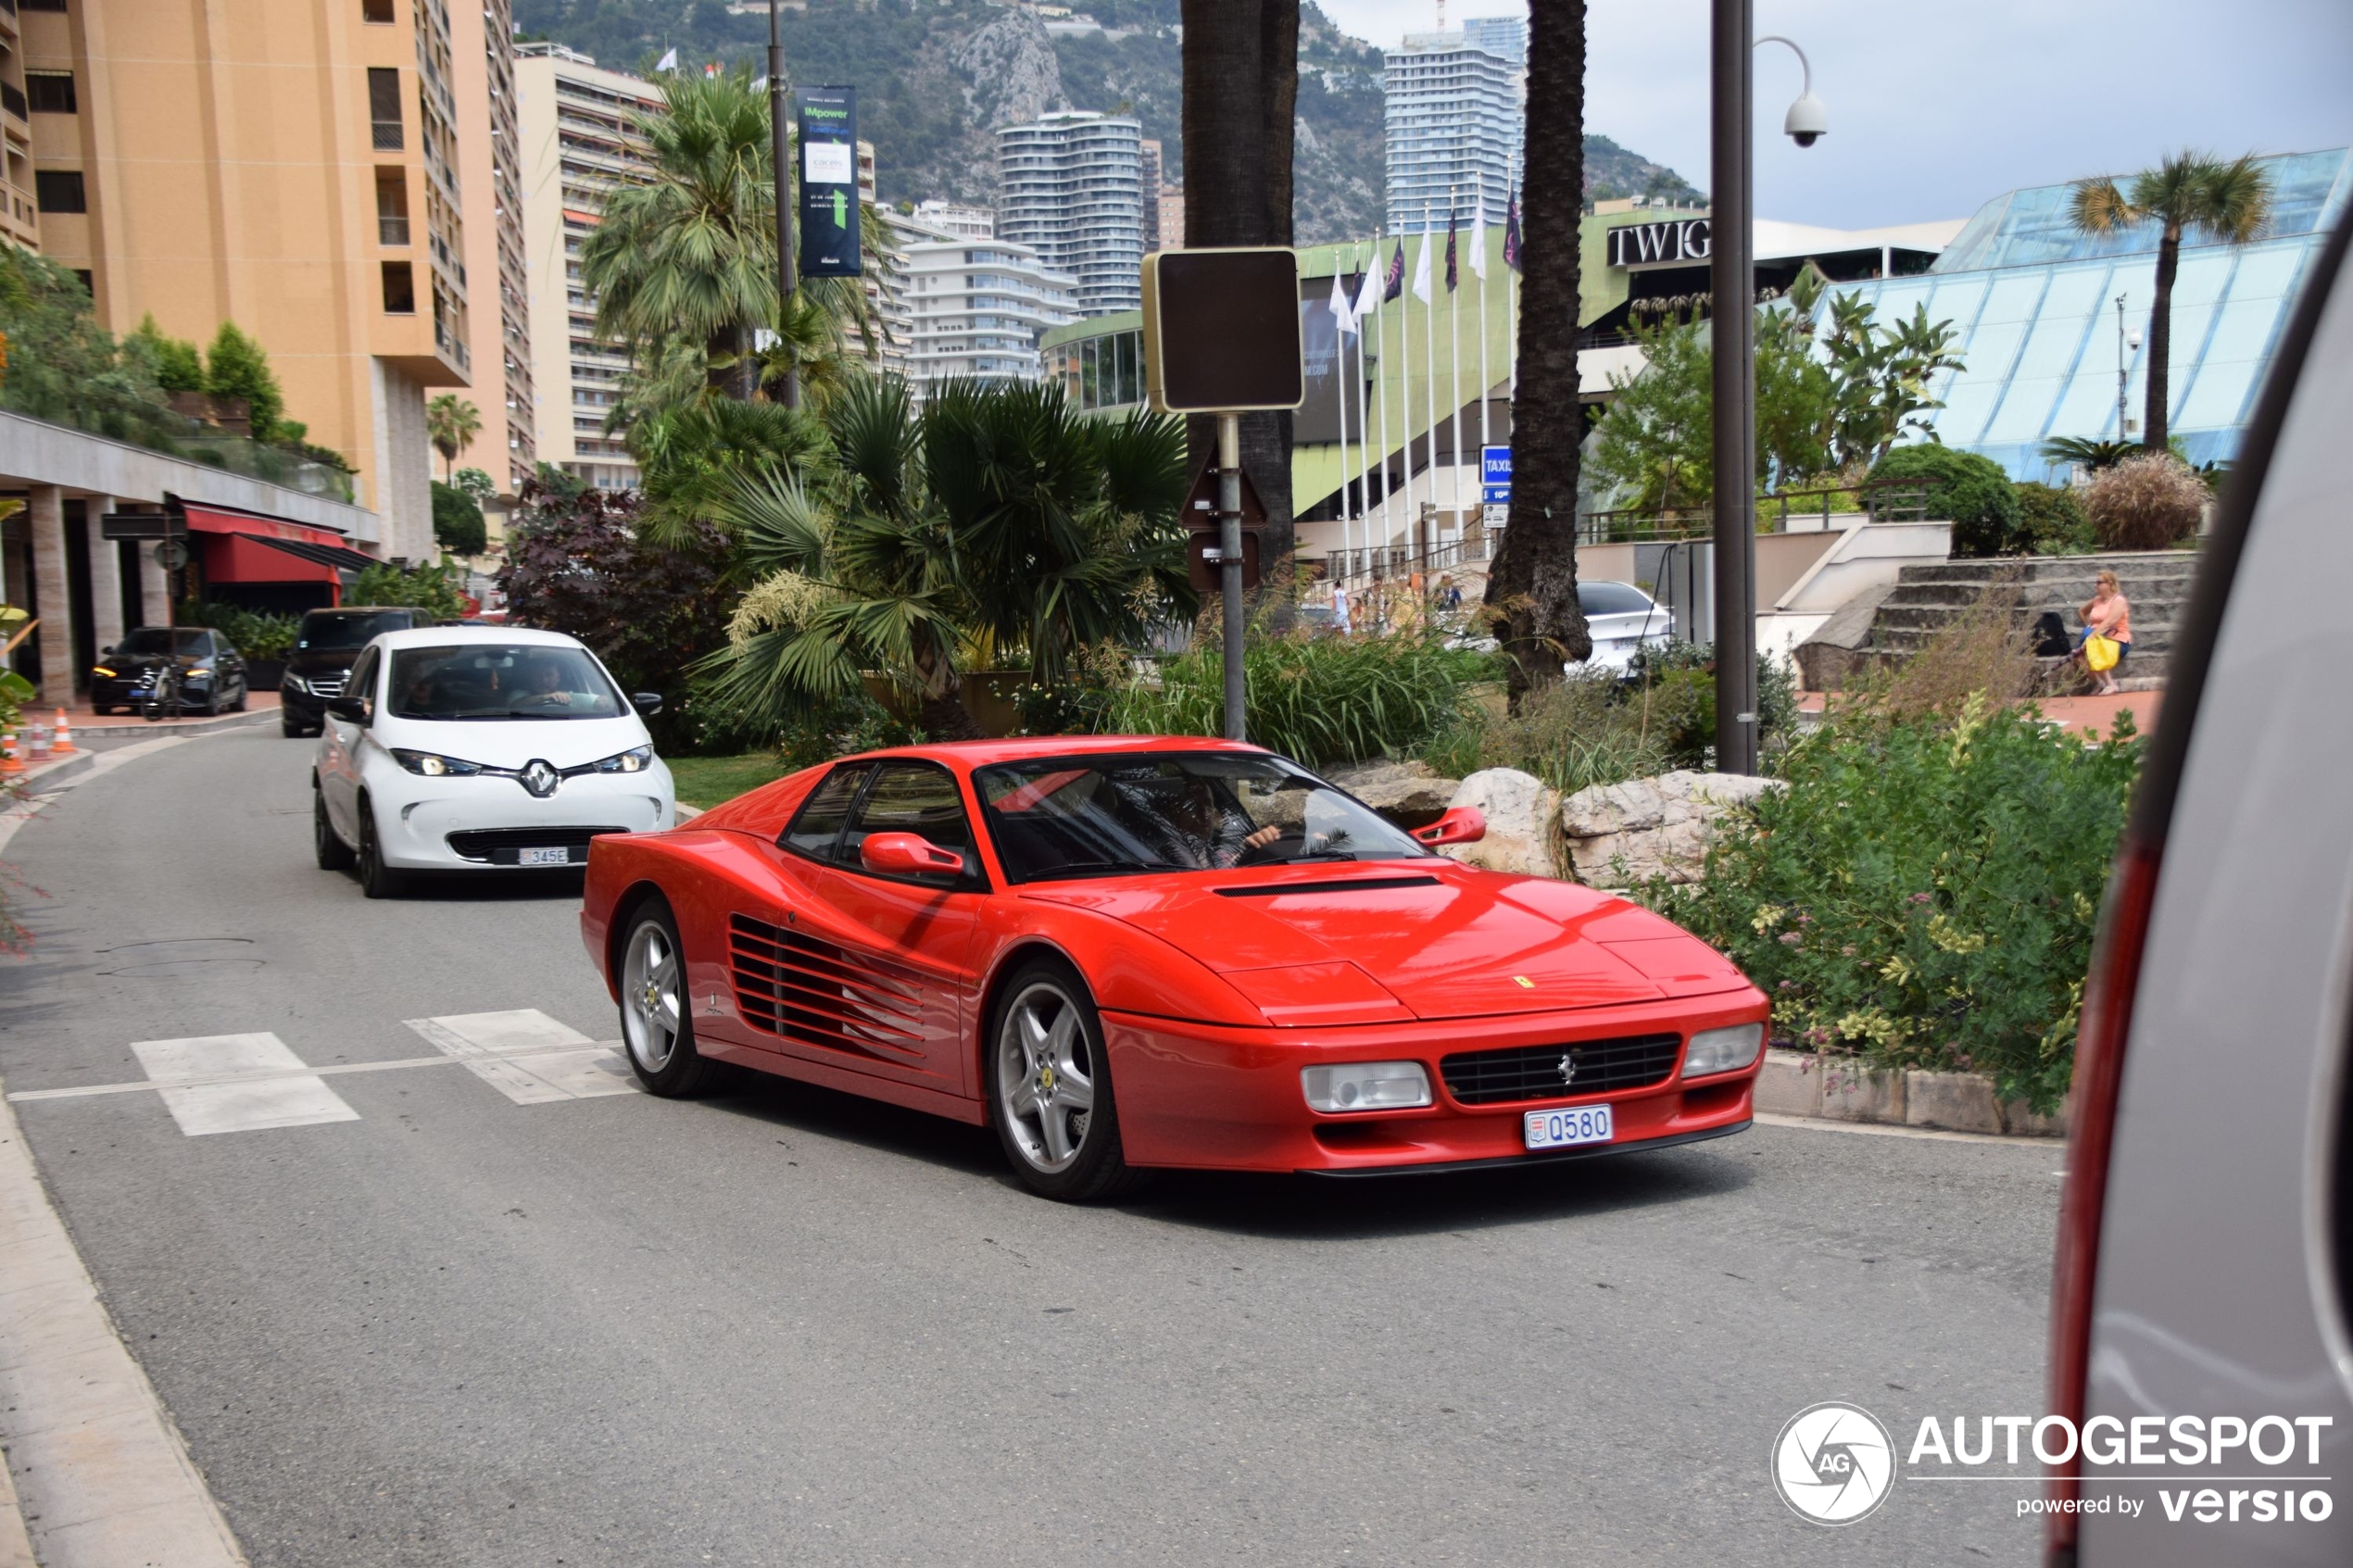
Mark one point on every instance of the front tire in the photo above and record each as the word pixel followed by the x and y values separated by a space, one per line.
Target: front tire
pixel 333 853
pixel 376 879
pixel 1050 1091
pixel 656 1029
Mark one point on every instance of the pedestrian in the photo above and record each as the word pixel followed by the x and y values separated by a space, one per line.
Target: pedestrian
pixel 1449 595
pixel 2108 613
pixel 1339 607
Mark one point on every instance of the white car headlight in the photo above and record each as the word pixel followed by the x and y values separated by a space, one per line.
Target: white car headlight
pixel 635 760
pixel 431 765
pixel 1723 1050
pixel 1365 1086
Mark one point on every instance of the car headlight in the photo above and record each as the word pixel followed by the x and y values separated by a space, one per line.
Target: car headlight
pixel 1365 1086
pixel 296 683
pixel 1723 1050
pixel 431 765
pixel 636 760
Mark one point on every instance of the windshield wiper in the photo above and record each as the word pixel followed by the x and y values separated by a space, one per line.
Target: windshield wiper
pixel 1109 868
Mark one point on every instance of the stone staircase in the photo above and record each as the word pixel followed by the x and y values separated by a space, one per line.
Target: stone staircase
pixel 1927 600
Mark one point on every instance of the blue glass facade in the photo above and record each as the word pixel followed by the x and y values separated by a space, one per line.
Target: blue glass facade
pixel 2034 304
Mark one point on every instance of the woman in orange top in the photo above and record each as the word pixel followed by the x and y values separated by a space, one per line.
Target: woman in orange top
pixel 2109 613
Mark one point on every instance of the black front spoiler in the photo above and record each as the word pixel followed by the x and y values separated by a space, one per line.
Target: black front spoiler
pixel 1551 1157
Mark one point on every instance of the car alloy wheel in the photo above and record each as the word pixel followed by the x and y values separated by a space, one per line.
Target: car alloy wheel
pixel 655 1027
pixel 1045 1076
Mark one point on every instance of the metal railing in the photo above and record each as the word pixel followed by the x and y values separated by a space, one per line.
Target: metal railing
pixel 1375 562
pixel 388 136
pixel 1884 500
pixel 12 99
pixel 392 230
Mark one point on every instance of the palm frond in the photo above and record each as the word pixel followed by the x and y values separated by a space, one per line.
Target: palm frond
pixel 2236 204
pixel 2098 207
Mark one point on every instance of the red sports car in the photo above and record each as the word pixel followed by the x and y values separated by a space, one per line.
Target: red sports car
pixel 1133 952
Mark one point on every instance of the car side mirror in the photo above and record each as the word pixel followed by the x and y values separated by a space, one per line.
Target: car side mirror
pixel 350 709
pixel 1463 824
pixel 906 854
pixel 646 702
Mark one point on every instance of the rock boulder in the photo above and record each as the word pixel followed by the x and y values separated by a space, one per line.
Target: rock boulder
pixel 1521 811
pixel 1410 794
pixel 1623 834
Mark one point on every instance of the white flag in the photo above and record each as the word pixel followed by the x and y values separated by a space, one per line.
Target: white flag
pixel 1478 238
pixel 1339 306
pixel 669 61
pixel 1368 294
pixel 1421 270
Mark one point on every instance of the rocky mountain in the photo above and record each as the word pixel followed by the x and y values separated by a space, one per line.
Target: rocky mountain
pixel 937 77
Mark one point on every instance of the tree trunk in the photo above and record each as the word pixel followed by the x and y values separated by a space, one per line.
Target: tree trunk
pixel 2169 261
pixel 1241 89
pixel 1532 587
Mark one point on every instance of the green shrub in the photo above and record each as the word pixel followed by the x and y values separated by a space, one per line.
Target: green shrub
pixel 1972 492
pixel 1924 891
pixel 822 733
pixel 1322 701
pixel 2052 522
pixel 457 524
pixel 256 634
pixel 439 589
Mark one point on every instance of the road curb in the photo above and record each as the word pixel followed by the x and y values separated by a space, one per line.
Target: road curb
pixel 1842 1088
pixel 107 736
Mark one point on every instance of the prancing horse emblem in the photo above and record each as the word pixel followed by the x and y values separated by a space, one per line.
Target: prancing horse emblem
pixel 1568 1068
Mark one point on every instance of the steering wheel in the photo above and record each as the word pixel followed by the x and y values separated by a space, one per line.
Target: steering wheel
pixel 1267 853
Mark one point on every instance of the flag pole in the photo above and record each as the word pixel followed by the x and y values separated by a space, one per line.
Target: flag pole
pixel 1429 376
pixel 1340 330
pixel 1484 384
pixel 1454 352
pixel 1364 425
pixel 1380 396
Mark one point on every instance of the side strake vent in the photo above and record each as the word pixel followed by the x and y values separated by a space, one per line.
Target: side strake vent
pixel 815 993
pixel 1351 884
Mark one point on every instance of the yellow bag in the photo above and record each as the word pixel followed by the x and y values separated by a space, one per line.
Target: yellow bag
pixel 2099 652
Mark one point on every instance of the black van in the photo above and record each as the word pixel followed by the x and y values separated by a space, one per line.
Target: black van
pixel 323 651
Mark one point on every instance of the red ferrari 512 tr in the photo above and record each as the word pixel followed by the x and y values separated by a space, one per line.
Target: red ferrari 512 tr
pixel 1129 952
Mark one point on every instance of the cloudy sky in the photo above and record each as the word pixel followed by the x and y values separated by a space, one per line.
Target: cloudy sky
pixel 1937 106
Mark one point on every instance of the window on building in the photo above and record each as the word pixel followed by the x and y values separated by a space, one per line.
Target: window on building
pixel 59 190
pixel 58 6
pixel 50 91
pixel 400 289
pixel 384 107
pixel 392 206
pixel 89 281
pixel 375 11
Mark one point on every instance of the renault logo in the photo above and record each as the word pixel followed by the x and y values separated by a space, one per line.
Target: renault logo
pixel 540 779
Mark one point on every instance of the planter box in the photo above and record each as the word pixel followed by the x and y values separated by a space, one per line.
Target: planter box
pixel 1842 1088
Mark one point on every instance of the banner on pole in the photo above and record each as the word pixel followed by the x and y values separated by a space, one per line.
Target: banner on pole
pixel 1495 476
pixel 828 120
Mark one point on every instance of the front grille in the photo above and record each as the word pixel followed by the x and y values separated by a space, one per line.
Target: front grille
pixel 820 994
pixel 502 847
pixel 327 685
pixel 1534 1072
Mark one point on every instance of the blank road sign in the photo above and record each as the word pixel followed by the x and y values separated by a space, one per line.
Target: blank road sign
pixel 1221 331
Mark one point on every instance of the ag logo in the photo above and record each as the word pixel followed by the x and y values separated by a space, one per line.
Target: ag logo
pixel 1833 1463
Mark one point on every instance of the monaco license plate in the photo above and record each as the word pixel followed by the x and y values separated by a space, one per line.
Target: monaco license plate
pixel 1558 1129
pixel 556 857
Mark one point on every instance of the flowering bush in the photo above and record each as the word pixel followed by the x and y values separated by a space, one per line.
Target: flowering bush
pixel 1924 891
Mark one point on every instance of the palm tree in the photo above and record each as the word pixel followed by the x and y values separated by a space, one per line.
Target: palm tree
pixel 1532 587
pixel 2184 194
pixel 692 251
pixel 451 423
pixel 995 518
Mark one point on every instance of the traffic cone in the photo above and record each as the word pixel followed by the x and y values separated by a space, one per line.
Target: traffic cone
pixel 63 745
pixel 41 752
pixel 10 762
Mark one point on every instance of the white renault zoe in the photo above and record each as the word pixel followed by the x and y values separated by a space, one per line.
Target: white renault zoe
pixel 471 748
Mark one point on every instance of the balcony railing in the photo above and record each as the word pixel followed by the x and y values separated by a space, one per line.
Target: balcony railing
pixel 388 136
pixel 1884 500
pixel 12 99
pixel 392 230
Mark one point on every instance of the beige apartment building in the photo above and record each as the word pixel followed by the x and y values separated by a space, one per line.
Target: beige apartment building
pixel 490 179
pixel 19 208
pixel 292 166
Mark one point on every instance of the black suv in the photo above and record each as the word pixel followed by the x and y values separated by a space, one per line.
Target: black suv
pixel 323 651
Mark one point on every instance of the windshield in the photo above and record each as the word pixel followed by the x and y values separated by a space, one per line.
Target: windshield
pixel 149 639
pixel 1180 811
pixel 1612 598
pixel 347 630
pixel 487 681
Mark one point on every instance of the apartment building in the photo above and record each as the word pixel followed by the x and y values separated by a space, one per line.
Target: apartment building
pixel 490 175
pixel 20 206
pixel 579 144
pixel 1455 117
pixel 1071 187
pixel 289 165
pixel 955 221
pixel 974 309
pixel 1147 164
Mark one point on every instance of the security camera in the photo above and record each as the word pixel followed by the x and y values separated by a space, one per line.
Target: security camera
pixel 1808 122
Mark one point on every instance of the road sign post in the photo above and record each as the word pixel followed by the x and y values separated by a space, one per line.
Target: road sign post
pixel 1222 336
pixel 1494 476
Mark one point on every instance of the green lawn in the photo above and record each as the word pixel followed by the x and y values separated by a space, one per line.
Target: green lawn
pixel 704 782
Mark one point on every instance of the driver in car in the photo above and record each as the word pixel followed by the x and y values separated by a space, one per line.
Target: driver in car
pixel 1214 836
pixel 542 687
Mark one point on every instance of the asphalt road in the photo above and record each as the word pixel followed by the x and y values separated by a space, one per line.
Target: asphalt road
pixel 789 1326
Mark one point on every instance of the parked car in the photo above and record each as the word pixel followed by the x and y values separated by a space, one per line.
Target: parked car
pixel 458 748
pixel 1127 951
pixel 1623 620
pixel 325 646
pixel 212 672
pixel 2205 1269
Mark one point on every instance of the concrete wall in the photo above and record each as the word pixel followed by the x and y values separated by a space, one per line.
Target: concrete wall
pixel 34 452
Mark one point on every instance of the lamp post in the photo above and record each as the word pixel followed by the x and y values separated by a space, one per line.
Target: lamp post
pixel 781 153
pixel 2126 342
pixel 1733 324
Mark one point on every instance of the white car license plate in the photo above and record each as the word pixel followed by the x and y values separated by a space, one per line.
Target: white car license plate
pixel 1558 1129
pixel 557 857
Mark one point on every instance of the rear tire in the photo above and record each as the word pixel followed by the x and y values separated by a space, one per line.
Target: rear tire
pixel 291 730
pixel 376 879
pixel 1050 1090
pixel 657 1022
pixel 333 853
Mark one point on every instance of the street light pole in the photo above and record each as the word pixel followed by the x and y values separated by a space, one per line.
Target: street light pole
pixel 780 150
pixel 1733 327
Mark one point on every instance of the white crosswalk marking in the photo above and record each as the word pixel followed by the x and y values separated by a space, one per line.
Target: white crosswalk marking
pixel 529 1056
pixel 287 1097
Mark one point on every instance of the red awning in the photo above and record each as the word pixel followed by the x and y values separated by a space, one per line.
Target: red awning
pixel 241 547
pixel 228 519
